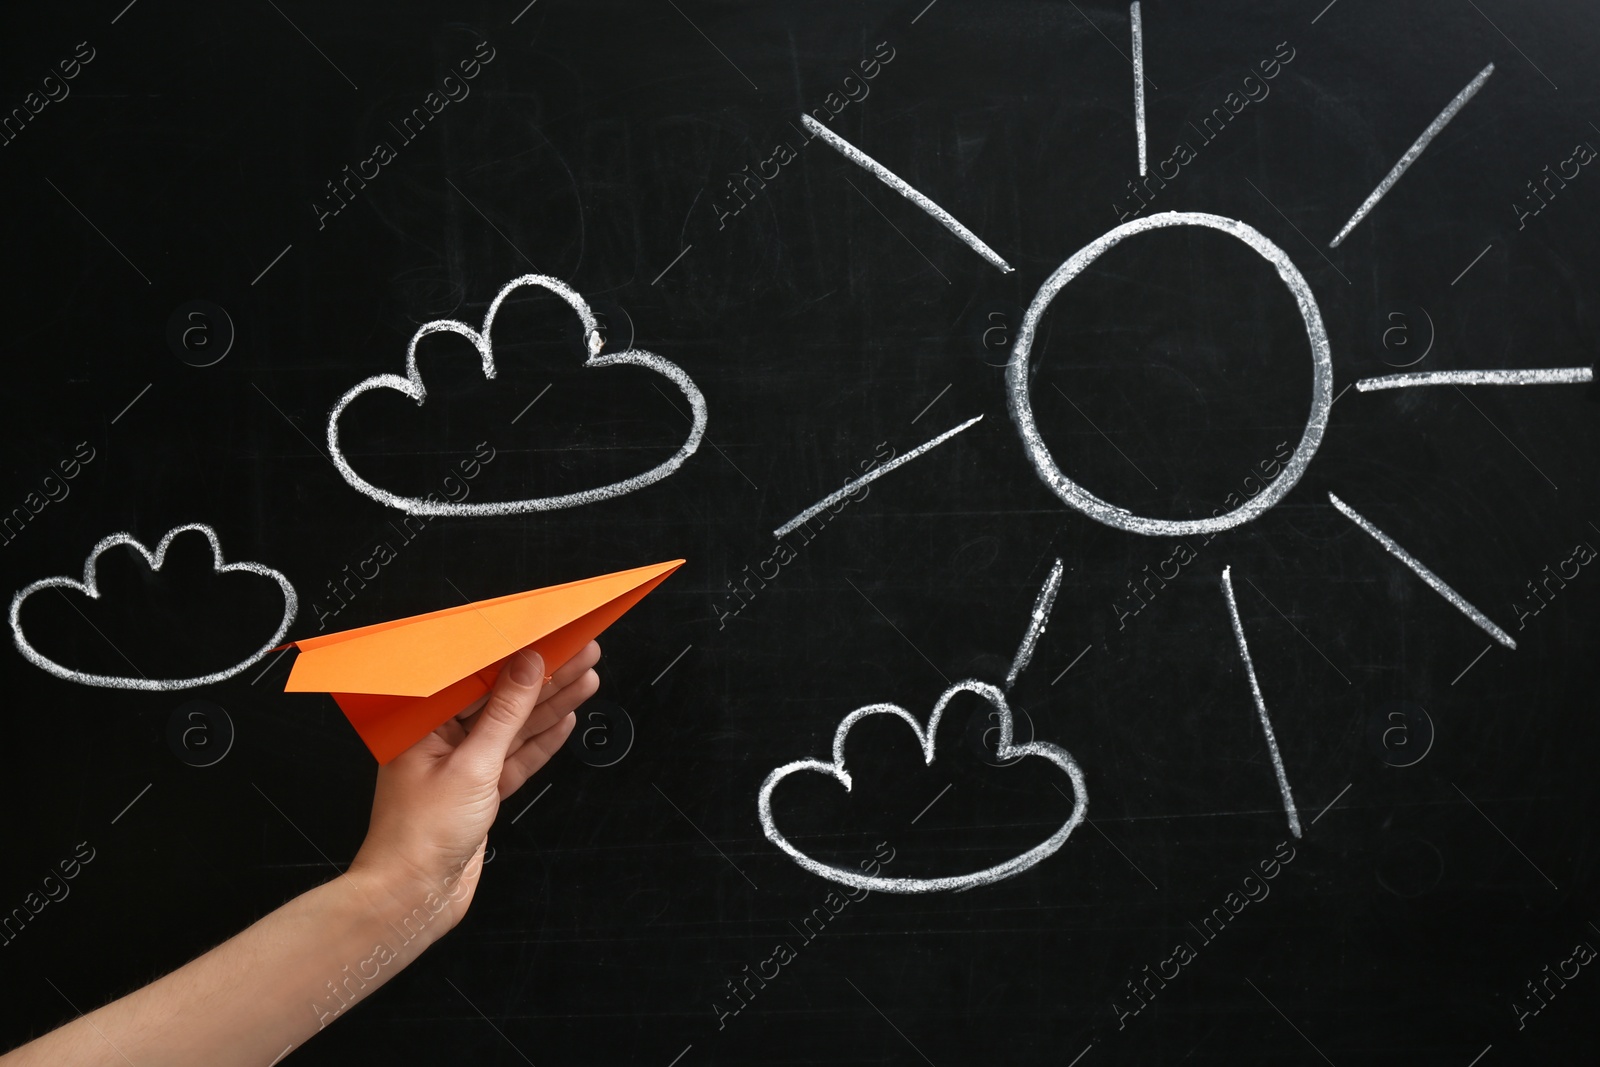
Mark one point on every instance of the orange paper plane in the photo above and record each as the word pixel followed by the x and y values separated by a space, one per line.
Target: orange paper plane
pixel 397 681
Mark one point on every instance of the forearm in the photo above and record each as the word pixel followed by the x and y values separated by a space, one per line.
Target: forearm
pixel 258 995
pixel 271 987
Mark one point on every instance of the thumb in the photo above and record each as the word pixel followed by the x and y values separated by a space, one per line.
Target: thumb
pixel 510 703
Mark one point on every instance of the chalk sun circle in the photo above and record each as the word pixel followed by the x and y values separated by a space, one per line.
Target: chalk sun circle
pixel 1110 514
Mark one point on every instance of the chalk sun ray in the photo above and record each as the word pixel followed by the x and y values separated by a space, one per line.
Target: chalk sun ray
pixel 899 185
pixel 1437 583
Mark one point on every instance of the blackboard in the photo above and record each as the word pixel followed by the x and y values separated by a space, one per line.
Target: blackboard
pixel 222 218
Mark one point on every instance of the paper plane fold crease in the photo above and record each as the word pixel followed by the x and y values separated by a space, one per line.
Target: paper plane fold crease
pixel 397 681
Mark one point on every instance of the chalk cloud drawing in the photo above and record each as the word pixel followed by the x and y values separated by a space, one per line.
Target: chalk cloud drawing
pixel 1077 496
pixel 411 385
pixel 1006 751
pixel 89 586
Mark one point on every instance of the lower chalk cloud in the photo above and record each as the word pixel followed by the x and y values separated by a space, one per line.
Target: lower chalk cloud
pixel 1005 750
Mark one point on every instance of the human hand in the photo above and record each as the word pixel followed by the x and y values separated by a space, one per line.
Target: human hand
pixel 434 803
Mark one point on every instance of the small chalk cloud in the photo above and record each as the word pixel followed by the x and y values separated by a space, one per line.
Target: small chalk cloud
pixel 89 586
pixel 1006 749
pixel 411 385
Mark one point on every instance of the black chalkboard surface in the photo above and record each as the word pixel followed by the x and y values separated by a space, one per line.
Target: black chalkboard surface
pixel 1299 768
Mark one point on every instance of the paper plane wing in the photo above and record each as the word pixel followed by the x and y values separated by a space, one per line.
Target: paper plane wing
pixel 397 681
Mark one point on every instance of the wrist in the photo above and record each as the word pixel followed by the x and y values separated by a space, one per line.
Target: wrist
pixel 417 908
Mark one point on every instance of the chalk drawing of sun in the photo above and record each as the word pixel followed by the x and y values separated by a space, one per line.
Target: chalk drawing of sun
pixel 1081 499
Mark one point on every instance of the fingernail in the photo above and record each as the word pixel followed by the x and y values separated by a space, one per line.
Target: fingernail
pixel 526 668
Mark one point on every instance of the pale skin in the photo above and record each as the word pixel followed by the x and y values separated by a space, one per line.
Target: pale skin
pixel 273 986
